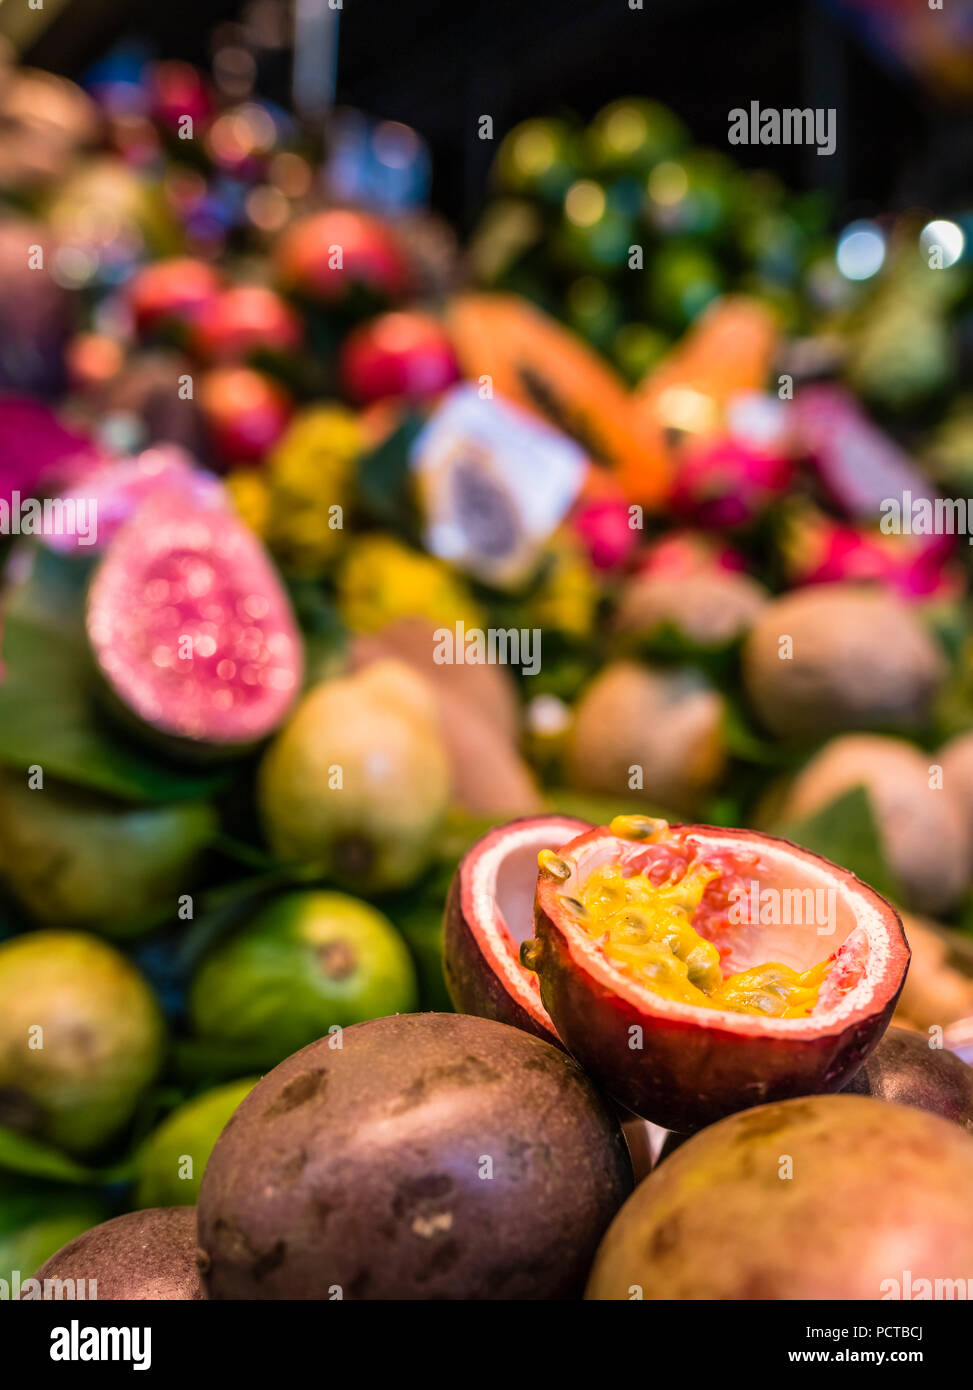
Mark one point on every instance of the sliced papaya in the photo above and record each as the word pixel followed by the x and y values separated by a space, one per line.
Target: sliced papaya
pixel 536 362
pixel 729 350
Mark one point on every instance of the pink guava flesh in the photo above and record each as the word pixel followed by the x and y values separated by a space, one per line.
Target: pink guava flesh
pixel 192 630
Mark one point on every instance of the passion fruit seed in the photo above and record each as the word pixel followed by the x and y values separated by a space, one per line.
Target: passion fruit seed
pixel 647 929
pixel 530 953
pixel 553 866
pixel 646 828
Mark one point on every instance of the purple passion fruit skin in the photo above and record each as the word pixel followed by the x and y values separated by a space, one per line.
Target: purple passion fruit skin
pixel 143 1255
pixel 488 915
pixel 682 1066
pixel 192 632
pixel 426 1156
pixel 906 1070
pixel 870 1191
pixel 903 1070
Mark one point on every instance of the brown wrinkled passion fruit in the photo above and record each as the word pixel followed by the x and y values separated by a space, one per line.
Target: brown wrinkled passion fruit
pixel 822 1197
pixel 424 1156
pixel 695 971
pixel 148 1254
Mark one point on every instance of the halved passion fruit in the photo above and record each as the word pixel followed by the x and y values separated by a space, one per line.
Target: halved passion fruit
pixel 694 971
pixel 488 917
pixel 489 914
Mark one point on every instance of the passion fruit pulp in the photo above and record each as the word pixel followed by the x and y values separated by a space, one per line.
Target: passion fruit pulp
pixel 742 968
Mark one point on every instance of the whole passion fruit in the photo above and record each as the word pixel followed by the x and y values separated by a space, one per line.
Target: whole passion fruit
pixel 80 1037
pixel 424 1156
pixel 306 962
pixel 192 631
pixel 824 1197
pixel 836 657
pixel 142 1255
pixel 658 735
pixel 907 1069
pixel 695 971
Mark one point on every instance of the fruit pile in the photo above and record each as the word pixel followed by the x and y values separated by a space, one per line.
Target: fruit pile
pixel 325 556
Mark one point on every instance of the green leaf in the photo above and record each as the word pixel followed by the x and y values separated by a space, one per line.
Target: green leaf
pixel 35 1159
pixel 385 481
pixel 745 743
pixel 210 1063
pixel 846 833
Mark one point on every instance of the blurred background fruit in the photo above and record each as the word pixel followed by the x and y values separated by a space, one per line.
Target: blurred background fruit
pixel 171 1161
pixel 80 1038
pixel 603 388
pixel 304 965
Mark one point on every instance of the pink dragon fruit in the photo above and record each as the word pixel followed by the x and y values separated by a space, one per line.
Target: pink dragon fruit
pixel 818 549
pixel 36 450
pixel 726 483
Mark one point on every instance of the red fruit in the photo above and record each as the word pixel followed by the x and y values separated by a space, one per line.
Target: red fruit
pixel 326 254
pixel 179 291
pixel 488 915
pixel 604 527
pixel 178 90
pixel 245 412
pixel 819 550
pixel 397 355
pixel 683 1065
pixel 727 483
pixel 192 631
pixel 686 554
pixel 244 320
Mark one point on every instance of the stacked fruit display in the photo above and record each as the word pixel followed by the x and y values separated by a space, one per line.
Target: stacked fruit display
pixel 249 725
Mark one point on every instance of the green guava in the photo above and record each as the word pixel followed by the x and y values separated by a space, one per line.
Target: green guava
pixel 81 1036
pixel 76 859
pixel 306 962
pixel 171 1162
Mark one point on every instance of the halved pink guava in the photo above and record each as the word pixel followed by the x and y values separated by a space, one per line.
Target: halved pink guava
pixel 192 630
pixel 681 1065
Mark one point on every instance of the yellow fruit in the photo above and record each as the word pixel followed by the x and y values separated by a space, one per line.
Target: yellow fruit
pixel 358 780
pixel 382 580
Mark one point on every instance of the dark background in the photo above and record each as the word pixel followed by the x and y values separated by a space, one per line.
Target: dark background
pixel 439 64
